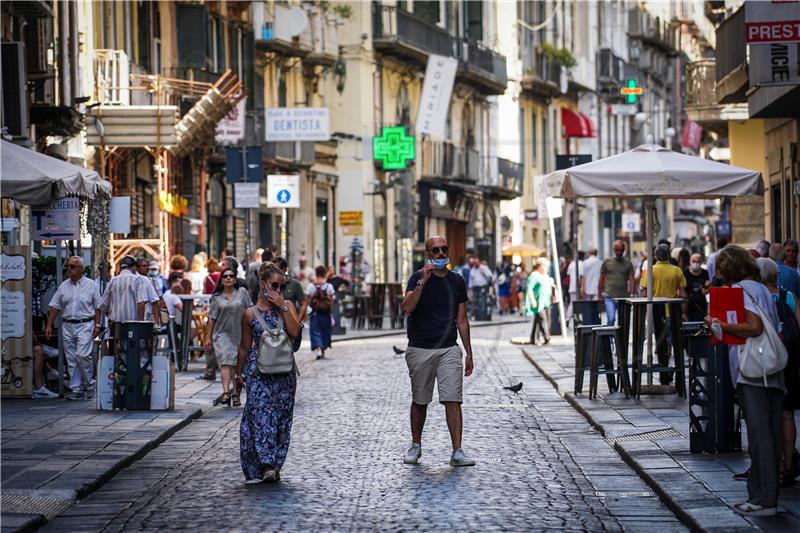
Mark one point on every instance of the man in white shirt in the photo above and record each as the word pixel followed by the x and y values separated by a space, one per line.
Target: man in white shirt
pixel 303 273
pixel 480 279
pixel 573 282
pixel 590 278
pixel 78 301
pixel 126 294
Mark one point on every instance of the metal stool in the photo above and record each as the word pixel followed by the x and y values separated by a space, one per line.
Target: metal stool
pixel 583 346
pixel 601 348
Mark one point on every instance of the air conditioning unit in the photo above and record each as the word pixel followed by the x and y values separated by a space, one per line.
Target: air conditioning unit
pixel 14 98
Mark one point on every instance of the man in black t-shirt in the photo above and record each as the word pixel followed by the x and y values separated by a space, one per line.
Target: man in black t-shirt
pixel 697 284
pixel 436 304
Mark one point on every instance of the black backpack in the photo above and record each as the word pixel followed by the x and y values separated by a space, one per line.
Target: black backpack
pixel 791 329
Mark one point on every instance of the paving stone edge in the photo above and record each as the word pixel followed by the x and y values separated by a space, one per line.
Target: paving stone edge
pixel 688 520
pixel 37 520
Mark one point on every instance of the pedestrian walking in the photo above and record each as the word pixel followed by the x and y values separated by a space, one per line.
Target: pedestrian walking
pixel 480 279
pixel 319 294
pixel 224 330
pixel 436 304
pixel 503 274
pixel 589 282
pixel 266 426
pixel 178 263
pixel 697 285
pixel 790 255
pixel 574 284
pixel 788 278
pixel 303 273
pixel 210 281
pixel 152 309
pixel 126 295
pixel 789 317
pixel 616 281
pixel 520 285
pixel 668 282
pixel 761 401
pixel 539 296
pixel 77 300
pixel 294 291
pixel 722 242
pixel 198 273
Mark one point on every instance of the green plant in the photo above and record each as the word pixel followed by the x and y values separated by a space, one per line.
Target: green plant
pixel 562 56
pixel 344 11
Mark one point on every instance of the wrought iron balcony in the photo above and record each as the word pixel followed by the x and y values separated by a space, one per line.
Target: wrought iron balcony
pixel 652 30
pixel 443 160
pixel 610 68
pixel 483 66
pixel 540 74
pixel 272 35
pixel 701 101
pixel 503 179
pixel 396 31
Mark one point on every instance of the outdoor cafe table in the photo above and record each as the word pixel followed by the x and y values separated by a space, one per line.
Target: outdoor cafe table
pixel 631 318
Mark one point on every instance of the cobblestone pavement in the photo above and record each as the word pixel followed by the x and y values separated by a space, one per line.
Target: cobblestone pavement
pixel 540 466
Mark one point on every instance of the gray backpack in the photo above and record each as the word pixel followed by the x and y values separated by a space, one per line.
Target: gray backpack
pixel 274 354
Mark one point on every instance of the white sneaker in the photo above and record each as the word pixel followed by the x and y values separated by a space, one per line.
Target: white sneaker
pixel 413 454
pixel 459 458
pixel 43 393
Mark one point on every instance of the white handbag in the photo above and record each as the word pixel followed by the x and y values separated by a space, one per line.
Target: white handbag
pixel 275 354
pixel 765 354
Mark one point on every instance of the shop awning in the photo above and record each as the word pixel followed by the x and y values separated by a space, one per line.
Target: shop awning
pixel 577 124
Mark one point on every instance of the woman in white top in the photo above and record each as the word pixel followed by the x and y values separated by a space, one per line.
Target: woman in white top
pixel 173 301
pixel 320 300
pixel 198 273
pixel 761 402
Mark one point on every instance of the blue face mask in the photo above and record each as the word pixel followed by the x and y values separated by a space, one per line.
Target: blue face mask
pixel 440 264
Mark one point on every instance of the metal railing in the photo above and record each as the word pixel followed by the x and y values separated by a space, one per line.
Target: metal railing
pixel 700 82
pixel 478 57
pixel 731 47
pixel 534 62
pixel 112 80
pixel 511 175
pixel 397 25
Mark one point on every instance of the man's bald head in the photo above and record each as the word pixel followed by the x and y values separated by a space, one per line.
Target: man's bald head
pixel 619 248
pixel 436 240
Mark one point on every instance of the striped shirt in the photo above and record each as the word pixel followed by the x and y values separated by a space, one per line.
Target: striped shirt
pixel 152 296
pixel 122 295
pixel 78 300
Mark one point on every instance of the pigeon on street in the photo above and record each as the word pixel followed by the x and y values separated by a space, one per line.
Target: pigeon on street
pixel 398 351
pixel 515 388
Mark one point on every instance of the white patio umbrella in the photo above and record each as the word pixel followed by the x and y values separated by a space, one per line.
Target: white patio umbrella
pixel 650 172
pixel 33 178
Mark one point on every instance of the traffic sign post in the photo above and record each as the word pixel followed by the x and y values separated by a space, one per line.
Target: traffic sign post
pixel 631 223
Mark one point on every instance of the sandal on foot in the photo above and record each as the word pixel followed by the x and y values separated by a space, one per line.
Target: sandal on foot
pixel 236 401
pixel 225 399
pixel 751 509
pixel 270 475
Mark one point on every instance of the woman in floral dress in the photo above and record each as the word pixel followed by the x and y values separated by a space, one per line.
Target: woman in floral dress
pixel 267 418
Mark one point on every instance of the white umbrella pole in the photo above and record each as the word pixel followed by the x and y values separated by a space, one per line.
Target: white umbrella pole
pixel 650 206
pixel 557 273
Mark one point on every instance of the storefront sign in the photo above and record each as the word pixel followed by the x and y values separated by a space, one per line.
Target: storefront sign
pixel 283 191
pixel 246 195
pixel 173 204
pixel 351 222
pixel 297 124
pixel 623 110
pixel 631 91
pixel 15 326
pixel 774 64
pixel 437 89
pixel 775 21
pixel 393 148
pixel 230 129
pixel 58 222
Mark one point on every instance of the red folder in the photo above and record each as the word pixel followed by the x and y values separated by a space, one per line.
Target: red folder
pixel 727 305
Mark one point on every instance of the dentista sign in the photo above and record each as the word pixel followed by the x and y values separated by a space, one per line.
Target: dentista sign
pixel 297 124
pixel 775 21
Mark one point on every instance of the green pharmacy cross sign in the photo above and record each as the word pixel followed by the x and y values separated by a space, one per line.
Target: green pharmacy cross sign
pixel 393 148
pixel 631 91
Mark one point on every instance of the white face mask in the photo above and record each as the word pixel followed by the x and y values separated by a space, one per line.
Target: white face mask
pixel 695 266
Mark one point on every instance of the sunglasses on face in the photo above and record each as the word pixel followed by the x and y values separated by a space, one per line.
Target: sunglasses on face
pixel 278 286
pixel 228 276
pixel 73 266
pixel 437 249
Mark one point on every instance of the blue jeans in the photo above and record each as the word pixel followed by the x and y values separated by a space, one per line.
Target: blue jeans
pixel 611 311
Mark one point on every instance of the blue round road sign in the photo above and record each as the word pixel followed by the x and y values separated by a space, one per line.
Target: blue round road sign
pixel 284 196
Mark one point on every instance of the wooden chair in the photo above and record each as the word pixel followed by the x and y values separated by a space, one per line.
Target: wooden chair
pixel 377 300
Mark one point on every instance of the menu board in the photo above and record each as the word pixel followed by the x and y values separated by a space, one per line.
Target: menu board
pixel 16 370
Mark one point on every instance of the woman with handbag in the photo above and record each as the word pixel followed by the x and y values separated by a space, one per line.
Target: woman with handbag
pixel 320 301
pixel 266 362
pixel 224 330
pixel 757 372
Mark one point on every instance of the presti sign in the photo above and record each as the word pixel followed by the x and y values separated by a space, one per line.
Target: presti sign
pixel 775 21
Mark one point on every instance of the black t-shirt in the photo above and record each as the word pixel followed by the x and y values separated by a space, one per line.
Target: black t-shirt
pixel 694 287
pixel 433 322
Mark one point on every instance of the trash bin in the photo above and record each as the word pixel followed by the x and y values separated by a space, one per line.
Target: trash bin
pixel 555 321
pixel 134 345
pixel 713 420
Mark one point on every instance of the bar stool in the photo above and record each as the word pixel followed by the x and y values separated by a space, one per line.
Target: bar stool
pixel 583 346
pixel 601 349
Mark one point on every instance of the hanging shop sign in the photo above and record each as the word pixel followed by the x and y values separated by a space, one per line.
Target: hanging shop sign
pixel 351 222
pixel 230 130
pixel 394 148
pixel 173 204
pixel 777 21
pixel 632 91
pixel 297 124
pixel 60 221
pixel 283 191
pixel 252 159
pixel 440 74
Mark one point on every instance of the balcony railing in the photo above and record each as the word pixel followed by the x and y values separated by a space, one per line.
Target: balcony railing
pixel 652 30
pixel 610 68
pixel 407 34
pixel 272 23
pixel 700 81
pixel 538 71
pixel 503 178
pixel 324 39
pixel 485 63
pixel 731 71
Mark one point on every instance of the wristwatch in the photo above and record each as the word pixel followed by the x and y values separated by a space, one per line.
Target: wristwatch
pixel 285 308
pixel 420 283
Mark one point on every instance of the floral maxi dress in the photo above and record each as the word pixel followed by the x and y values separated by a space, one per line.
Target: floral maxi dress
pixel 266 425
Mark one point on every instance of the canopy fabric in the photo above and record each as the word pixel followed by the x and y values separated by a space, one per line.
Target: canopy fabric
pixel 652 171
pixel 524 250
pixel 37 179
pixel 577 124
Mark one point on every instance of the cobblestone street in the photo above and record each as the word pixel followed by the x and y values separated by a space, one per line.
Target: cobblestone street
pixel 540 465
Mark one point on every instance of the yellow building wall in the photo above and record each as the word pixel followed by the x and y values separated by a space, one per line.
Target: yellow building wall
pixel 749 214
